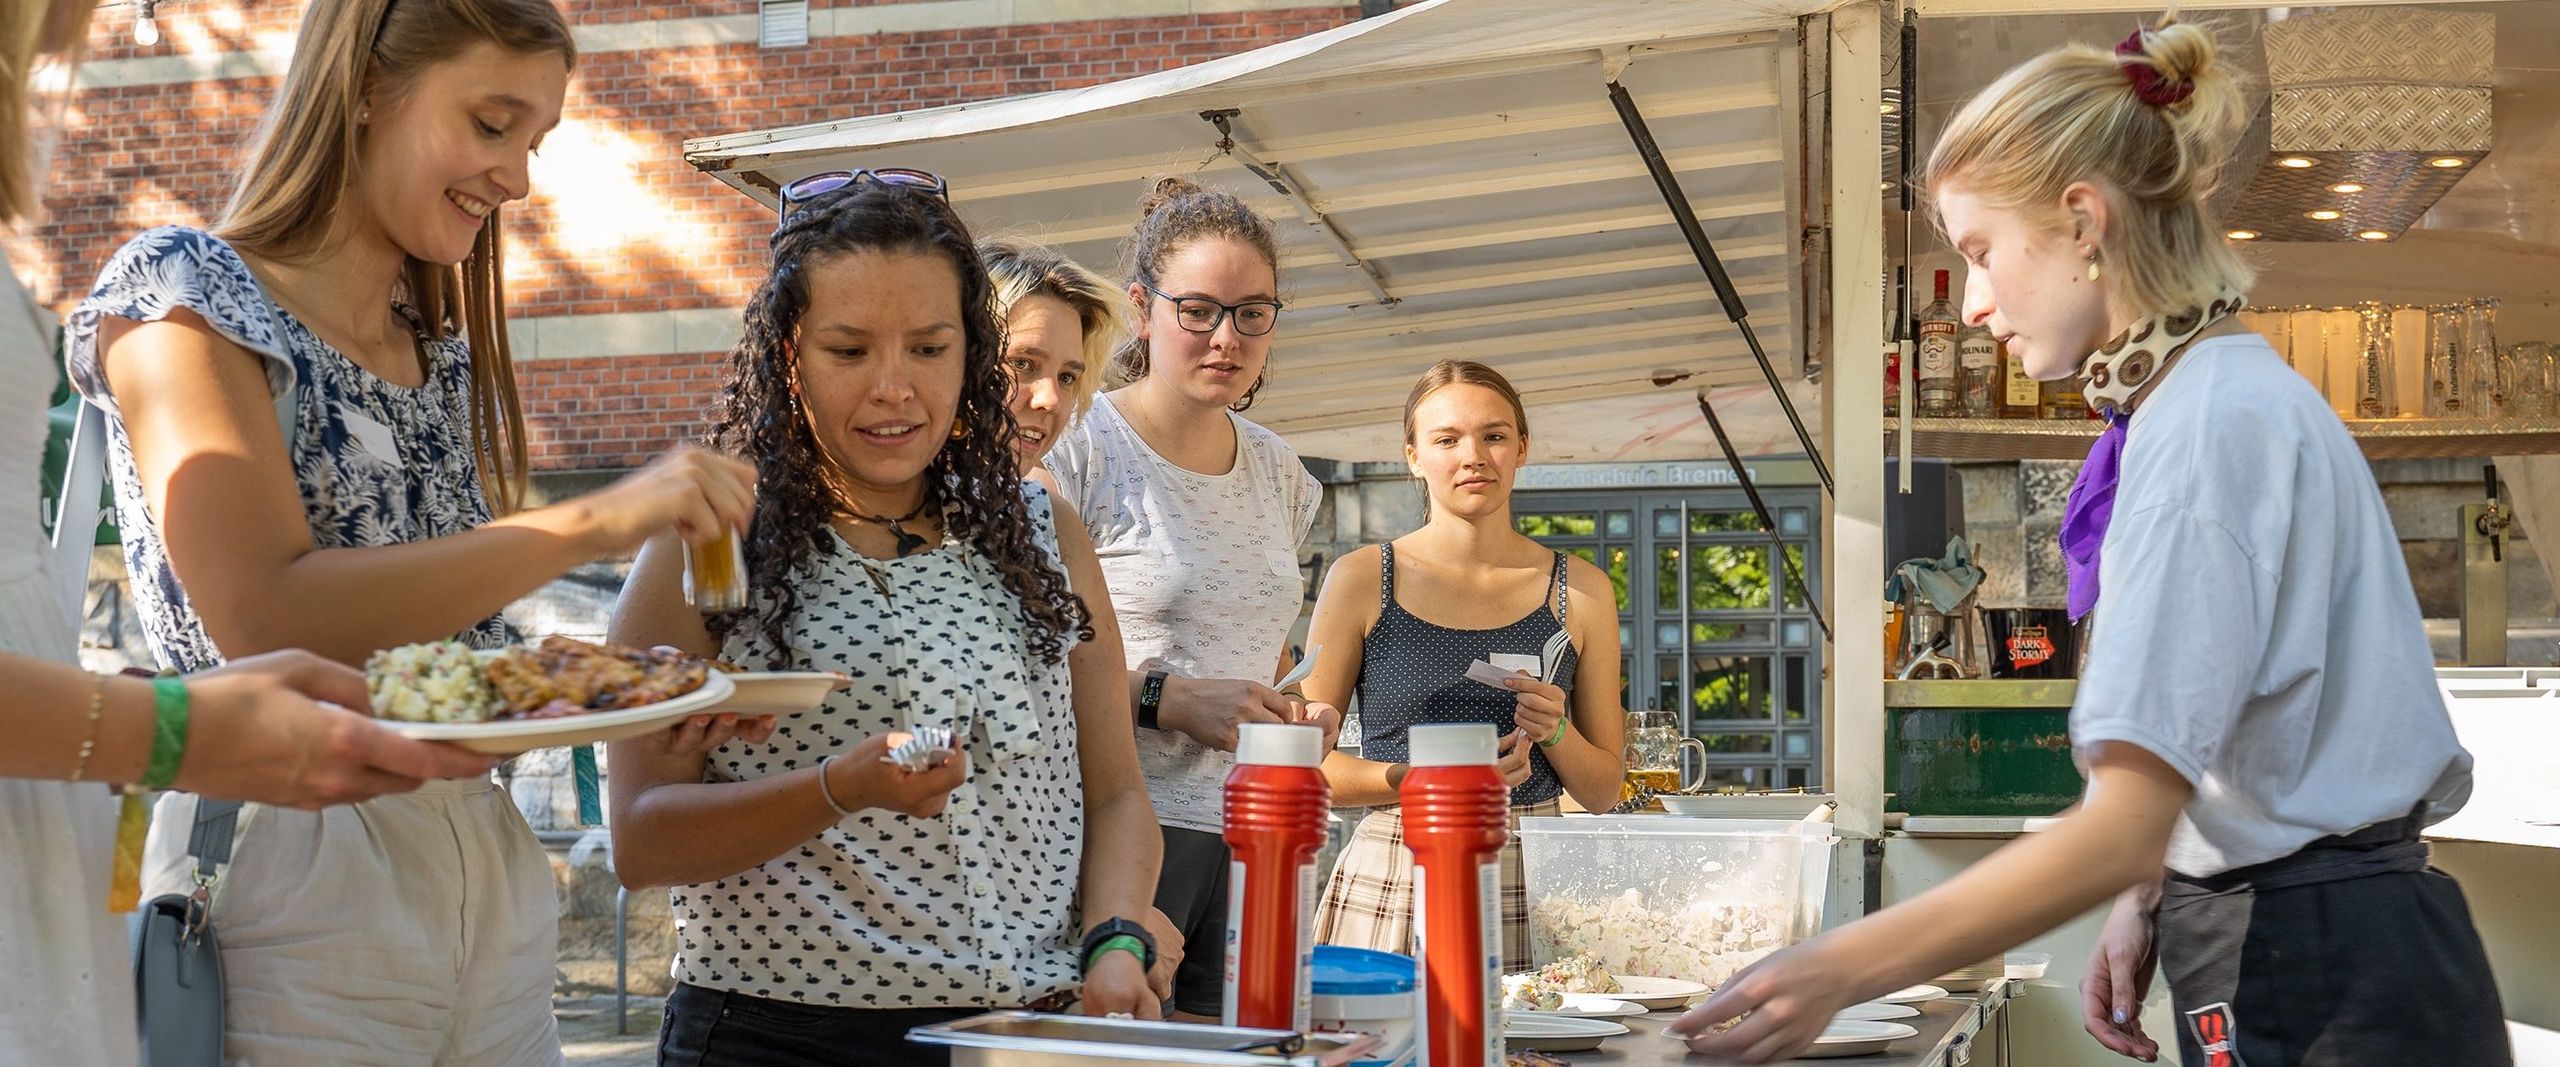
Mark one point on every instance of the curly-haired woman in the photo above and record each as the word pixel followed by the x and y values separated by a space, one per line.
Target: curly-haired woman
pixel 827 900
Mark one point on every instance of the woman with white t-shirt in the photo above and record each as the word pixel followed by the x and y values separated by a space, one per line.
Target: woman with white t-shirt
pixel 2258 718
pixel 1196 514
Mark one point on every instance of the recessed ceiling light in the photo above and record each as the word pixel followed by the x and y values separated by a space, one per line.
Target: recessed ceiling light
pixel 2346 187
pixel 2373 235
pixel 2297 162
pixel 2323 215
pixel 1887 186
pixel 2448 162
pixel 2242 235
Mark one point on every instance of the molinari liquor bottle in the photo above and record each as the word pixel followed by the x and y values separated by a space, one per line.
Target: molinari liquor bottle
pixel 1936 374
pixel 1978 373
pixel 2021 397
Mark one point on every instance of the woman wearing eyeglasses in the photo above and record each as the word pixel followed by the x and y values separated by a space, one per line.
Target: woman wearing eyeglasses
pixel 316 442
pixel 1196 514
pixel 827 901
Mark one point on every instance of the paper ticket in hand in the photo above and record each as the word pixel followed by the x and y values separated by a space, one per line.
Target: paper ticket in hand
pixel 1493 669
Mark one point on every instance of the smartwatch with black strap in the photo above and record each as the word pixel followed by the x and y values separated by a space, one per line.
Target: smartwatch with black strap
pixel 1151 700
pixel 1115 935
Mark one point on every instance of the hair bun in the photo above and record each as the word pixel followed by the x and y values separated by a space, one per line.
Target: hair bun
pixel 1166 190
pixel 2182 52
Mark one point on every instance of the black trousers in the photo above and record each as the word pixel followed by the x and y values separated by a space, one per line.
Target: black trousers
pixel 1192 891
pixel 2350 953
pixel 713 1028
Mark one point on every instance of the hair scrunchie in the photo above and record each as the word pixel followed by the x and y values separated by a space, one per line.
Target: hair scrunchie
pixel 2152 86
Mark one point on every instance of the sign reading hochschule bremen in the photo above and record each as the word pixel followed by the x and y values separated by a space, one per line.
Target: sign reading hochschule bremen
pixel 1670 474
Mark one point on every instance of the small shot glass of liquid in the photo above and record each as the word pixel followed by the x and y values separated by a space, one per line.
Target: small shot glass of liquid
pixel 715 574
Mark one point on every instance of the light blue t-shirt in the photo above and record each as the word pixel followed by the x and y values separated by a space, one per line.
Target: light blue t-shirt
pixel 2255 625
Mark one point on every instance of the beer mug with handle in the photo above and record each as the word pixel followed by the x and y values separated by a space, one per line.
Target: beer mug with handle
pixel 1654 744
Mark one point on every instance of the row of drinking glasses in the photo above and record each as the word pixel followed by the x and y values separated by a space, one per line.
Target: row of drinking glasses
pixel 2382 361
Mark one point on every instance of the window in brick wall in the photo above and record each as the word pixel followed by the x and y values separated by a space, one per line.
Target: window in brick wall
pixel 782 23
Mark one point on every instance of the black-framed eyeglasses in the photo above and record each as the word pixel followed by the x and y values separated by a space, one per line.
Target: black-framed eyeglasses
pixel 1199 314
pixel 799 191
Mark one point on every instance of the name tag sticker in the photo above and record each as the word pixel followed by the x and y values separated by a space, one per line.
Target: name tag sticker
pixel 372 438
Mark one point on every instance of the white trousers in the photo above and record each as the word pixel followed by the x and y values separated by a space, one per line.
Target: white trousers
pixel 418 930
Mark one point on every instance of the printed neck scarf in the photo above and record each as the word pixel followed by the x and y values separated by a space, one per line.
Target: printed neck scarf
pixel 2115 377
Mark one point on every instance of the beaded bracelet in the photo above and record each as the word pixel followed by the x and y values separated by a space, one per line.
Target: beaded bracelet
pixel 97 711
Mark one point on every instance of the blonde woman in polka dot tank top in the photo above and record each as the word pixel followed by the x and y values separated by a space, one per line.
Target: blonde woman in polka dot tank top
pixel 1399 623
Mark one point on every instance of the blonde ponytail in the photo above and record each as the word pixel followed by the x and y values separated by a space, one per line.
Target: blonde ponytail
pixel 2153 123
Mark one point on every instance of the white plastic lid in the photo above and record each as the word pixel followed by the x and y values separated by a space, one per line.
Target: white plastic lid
pixel 1470 744
pixel 1276 744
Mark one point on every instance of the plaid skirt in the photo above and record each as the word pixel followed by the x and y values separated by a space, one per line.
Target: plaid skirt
pixel 1369 901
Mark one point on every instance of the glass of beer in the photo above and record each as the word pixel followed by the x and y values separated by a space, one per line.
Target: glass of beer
pixel 715 574
pixel 1653 750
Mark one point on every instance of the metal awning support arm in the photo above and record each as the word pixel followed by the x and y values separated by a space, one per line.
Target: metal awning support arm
pixel 1669 185
pixel 1742 476
pixel 1285 184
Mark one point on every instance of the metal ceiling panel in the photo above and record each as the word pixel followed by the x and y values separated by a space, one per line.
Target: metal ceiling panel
pixel 1467 157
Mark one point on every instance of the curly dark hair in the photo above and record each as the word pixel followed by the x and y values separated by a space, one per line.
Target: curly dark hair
pixel 975 480
pixel 1176 212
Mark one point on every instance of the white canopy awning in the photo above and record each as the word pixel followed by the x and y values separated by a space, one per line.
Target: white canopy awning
pixel 1452 181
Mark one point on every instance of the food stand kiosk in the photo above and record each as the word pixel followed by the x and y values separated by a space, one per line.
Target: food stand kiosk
pixel 1677 228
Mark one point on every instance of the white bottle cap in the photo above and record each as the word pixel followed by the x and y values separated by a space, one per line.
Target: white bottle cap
pixel 1461 745
pixel 1276 744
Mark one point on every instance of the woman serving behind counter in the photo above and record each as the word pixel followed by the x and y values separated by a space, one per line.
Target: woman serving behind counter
pixel 2258 718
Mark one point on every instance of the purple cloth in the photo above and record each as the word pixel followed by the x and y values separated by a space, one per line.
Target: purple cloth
pixel 2085 516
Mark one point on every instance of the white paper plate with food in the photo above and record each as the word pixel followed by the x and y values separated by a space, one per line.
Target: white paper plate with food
pixel 1855 1037
pixel 777 692
pixel 1658 994
pixel 1919 994
pixel 1877 1011
pixel 513 700
pixel 1545 1032
pixel 1588 1006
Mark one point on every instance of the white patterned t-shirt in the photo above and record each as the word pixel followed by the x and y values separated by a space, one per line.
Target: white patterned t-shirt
pixel 1203 571
pixel 973 908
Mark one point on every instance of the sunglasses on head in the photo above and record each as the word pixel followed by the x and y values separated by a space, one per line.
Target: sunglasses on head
pixel 800 191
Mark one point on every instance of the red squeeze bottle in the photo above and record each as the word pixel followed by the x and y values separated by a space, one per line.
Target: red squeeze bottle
pixel 1277 803
pixel 1455 821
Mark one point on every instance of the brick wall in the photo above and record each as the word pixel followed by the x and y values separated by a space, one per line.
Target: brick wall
pixel 617 222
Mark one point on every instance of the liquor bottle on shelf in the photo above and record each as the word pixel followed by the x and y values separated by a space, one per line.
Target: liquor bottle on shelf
pixel 2062 400
pixel 1978 384
pixel 1936 376
pixel 2021 397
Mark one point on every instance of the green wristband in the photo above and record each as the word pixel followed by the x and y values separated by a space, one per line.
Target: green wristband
pixel 168 731
pixel 1122 943
pixel 1561 727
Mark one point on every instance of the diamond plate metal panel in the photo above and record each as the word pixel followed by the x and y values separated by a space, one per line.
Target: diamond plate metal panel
pixel 2380 117
pixel 2409 44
